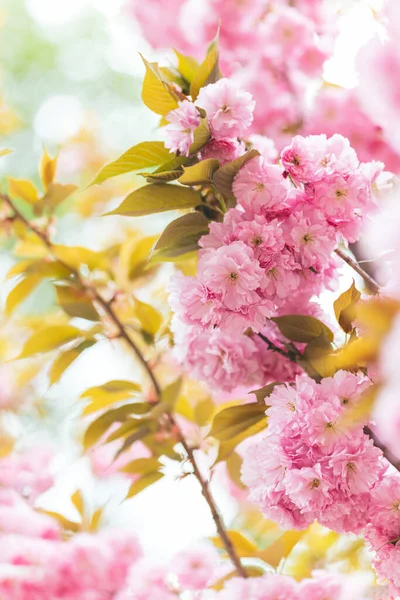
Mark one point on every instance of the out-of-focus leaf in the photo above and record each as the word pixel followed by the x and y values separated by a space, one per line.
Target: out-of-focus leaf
pixel 155 198
pixel 50 338
pixel 187 66
pixel 150 318
pixel 100 425
pixel 55 195
pixel 300 328
pixel 360 412
pixel 65 359
pixel 223 178
pixel 182 235
pixel 244 548
pixel 141 156
pixel 208 71
pixel 234 465
pixel 280 548
pixel 158 94
pixel 143 482
pixel 65 523
pixel 203 412
pixel 135 429
pixel 77 501
pixel 200 173
pixel 42 268
pixel 171 392
pixel 76 303
pixel 201 136
pixel 48 168
pixel 265 391
pixel 76 256
pixel 345 308
pixel 21 188
pixel 109 393
pixel 232 421
pixel 20 292
pixel 96 518
pixel 141 465
pixel 135 255
pixel 5 151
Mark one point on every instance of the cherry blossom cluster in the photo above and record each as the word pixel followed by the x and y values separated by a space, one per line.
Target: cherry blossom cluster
pixel 274 48
pixel 273 252
pixel 309 466
pixel 279 587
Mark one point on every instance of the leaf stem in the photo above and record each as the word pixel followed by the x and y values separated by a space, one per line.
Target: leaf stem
pixel 110 312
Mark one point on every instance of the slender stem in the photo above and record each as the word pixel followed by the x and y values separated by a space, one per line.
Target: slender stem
pixel 370 281
pixel 109 311
pixel 271 346
pixel 394 461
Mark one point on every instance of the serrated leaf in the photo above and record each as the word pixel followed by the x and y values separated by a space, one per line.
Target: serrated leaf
pixel 76 303
pixel 201 136
pixel 232 421
pixel 65 359
pixel 223 178
pixel 20 292
pixel 200 173
pixel 345 308
pixel 143 482
pixel 300 328
pixel 77 501
pixel 187 66
pixel 182 235
pixel 208 71
pixel 150 318
pixel 158 94
pixel 155 198
pixel 141 156
pixel 47 169
pixel 21 188
pixel 50 338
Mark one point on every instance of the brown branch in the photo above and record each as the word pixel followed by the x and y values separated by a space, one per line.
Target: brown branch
pixel 370 282
pixel 109 311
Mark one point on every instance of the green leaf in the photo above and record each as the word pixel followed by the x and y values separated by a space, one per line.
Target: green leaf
pixel 182 235
pixel 150 318
pixel 102 396
pixel 187 66
pixel 201 136
pixel 234 420
pixel 164 176
pixel 158 94
pixel 200 173
pixel 76 303
pixel 155 198
pixel 143 482
pixel 20 292
pixel 223 178
pixel 300 328
pixel 345 308
pixel 265 391
pixel 50 338
pixel 141 156
pixel 208 71
pixel 65 359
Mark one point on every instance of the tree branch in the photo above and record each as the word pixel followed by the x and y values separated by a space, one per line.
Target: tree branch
pixel 109 311
pixel 370 282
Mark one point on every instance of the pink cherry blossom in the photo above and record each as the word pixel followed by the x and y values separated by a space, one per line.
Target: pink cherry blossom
pixel 179 133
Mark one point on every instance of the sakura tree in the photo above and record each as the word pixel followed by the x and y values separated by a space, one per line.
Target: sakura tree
pixel 261 374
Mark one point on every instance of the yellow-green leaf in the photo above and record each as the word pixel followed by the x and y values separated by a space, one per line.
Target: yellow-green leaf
pixel 20 292
pixel 200 173
pixel 201 136
pixel 141 156
pixel 55 195
pixel 143 482
pixel 77 501
pixel 187 66
pixel 345 307
pixel 158 94
pixel 100 425
pixel 141 465
pixel 300 328
pixel 171 392
pixel 208 71
pixel 280 548
pixel 243 546
pixel 182 235
pixel 42 268
pixel 21 188
pixel 5 151
pixel 109 393
pixel 155 198
pixel 265 391
pixel 76 303
pixel 76 256
pixel 223 178
pixel 50 338
pixel 232 421
pixel 150 318
pixel 47 169
pixel 65 359
pixel 203 411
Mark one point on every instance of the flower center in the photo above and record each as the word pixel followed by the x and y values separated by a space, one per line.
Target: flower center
pixel 296 161
pixel 340 193
pixel 315 483
pixel 257 240
pixel 345 401
pixel 307 238
pixel 259 186
pixel 233 276
pixel 352 467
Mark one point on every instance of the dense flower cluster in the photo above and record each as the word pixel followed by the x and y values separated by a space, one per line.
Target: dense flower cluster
pixel 273 252
pixel 308 466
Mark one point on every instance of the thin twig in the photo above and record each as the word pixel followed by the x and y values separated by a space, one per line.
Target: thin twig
pixel 109 311
pixel 372 285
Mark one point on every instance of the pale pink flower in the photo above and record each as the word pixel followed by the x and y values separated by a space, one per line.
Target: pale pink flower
pixel 260 187
pixel 182 123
